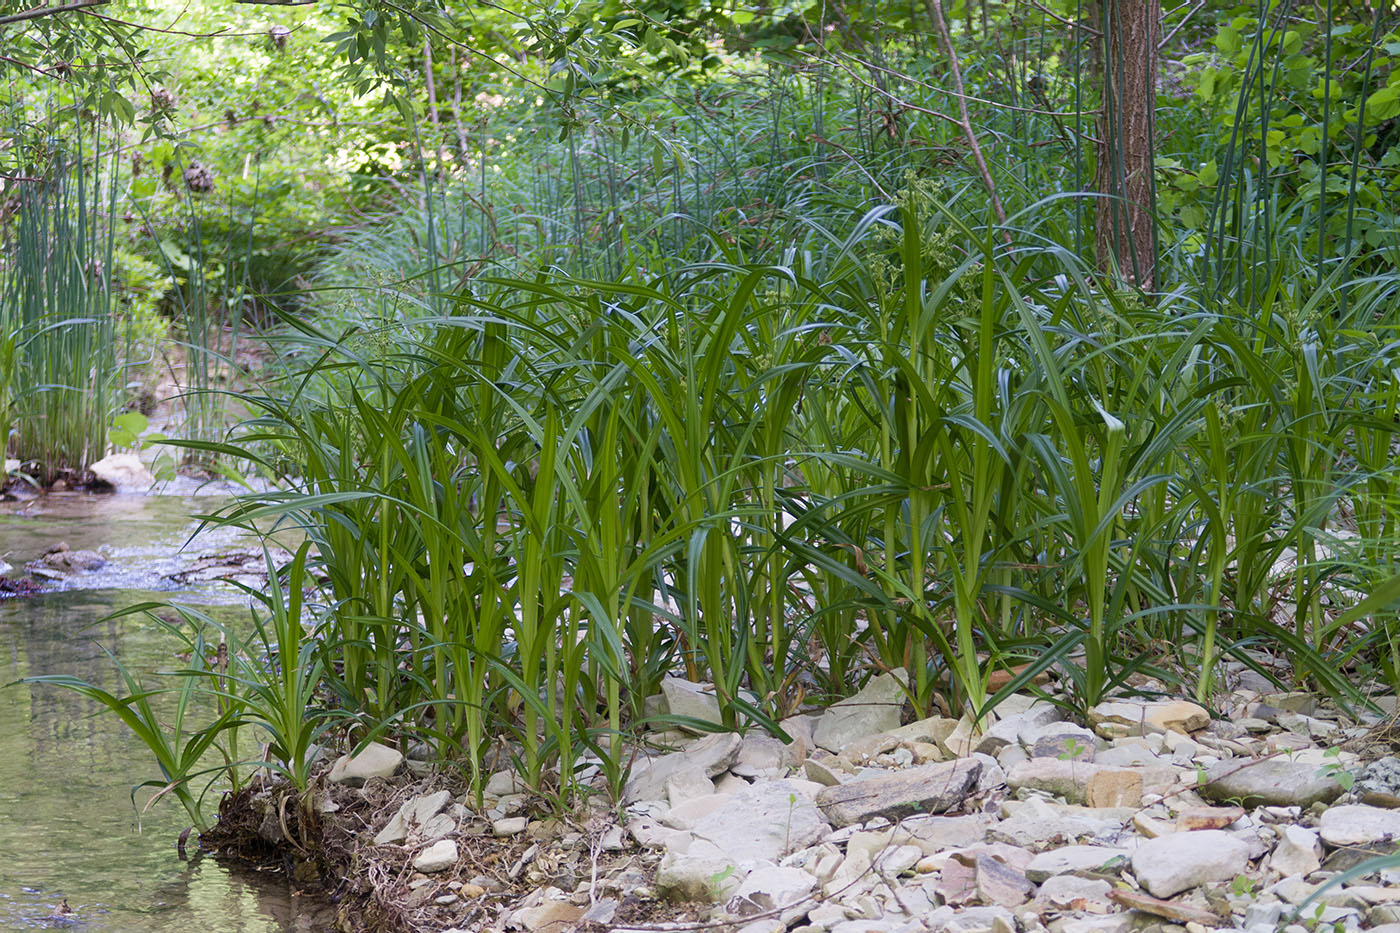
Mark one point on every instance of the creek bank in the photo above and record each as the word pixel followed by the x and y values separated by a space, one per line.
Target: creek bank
pixel 1155 817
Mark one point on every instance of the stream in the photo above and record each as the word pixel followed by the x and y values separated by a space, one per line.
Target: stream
pixel 69 833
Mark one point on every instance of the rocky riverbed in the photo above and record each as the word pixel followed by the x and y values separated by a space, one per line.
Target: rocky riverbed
pixel 1151 815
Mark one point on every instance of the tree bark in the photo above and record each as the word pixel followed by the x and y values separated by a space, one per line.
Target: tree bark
pixel 1126 235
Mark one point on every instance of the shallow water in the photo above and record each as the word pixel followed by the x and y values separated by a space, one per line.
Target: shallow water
pixel 68 827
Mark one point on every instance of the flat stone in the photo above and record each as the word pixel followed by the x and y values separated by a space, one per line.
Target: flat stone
pixel 1172 910
pixel 711 755
pixel 690 701
pixel 373 761
pixel 1067 779
pixel 1360 825
pixel 1192 818
pixel 510 826
pixel 1171 864
pixel 1068 860
pixel 875 709
pixel 1038 824
pixel 703 872
pixel 436 857
pixel 764 822
pixel 1298 852
pixel 549 917
pixel 688 784
pixel 935 834
pixel 820 772
pixel 1114 788
pixel 1000 885
pixel 932 730
pixel 930 788
pixel 1271 782
pixel 1071 892
pixel 686 814
pixel 1142 717
pixel 503 784
pixel 770 889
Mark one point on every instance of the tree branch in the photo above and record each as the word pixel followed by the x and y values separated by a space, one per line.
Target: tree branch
pixel 39 11
pixel 935 12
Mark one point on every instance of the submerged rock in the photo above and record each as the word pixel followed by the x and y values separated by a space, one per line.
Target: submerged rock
pixel 61 557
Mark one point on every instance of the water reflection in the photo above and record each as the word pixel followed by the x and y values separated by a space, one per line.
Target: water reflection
pixel 68 829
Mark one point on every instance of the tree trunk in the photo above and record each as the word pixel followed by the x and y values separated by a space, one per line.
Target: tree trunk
pixel 1127 238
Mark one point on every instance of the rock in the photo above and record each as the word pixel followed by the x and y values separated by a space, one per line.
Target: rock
pixel 688 784
pixel 703 872
pixel 960 742
pixel 1171 864
pixel 771 888
pixel 1000 885
pixel 1070 892
pixel 1172 910
pixel 1192 818
pixel 936 833
pixel 875 709
pixel 933 730
pixel 1068 860
pixel 691 701
pixel 435 827
pixel 687 813
pixel 510 826
pixel 1360 825
pixel 373 761
pixel 764 752
pixel 123 472
pixel 1272 782
pixel 930 788
pixel 1379 785
pixel 61 557
pixel 436 857
pixel 549 917
pixel 1298 852
pixel 503 784
pixel 414 813
pixel 1114 788
pixel 712 755
pixel 1038 824
pixel 821 772
pixel 1067 779
pixel 1142 717
pixel 764 822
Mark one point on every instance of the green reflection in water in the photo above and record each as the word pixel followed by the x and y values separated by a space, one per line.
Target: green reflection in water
pixel 68 828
